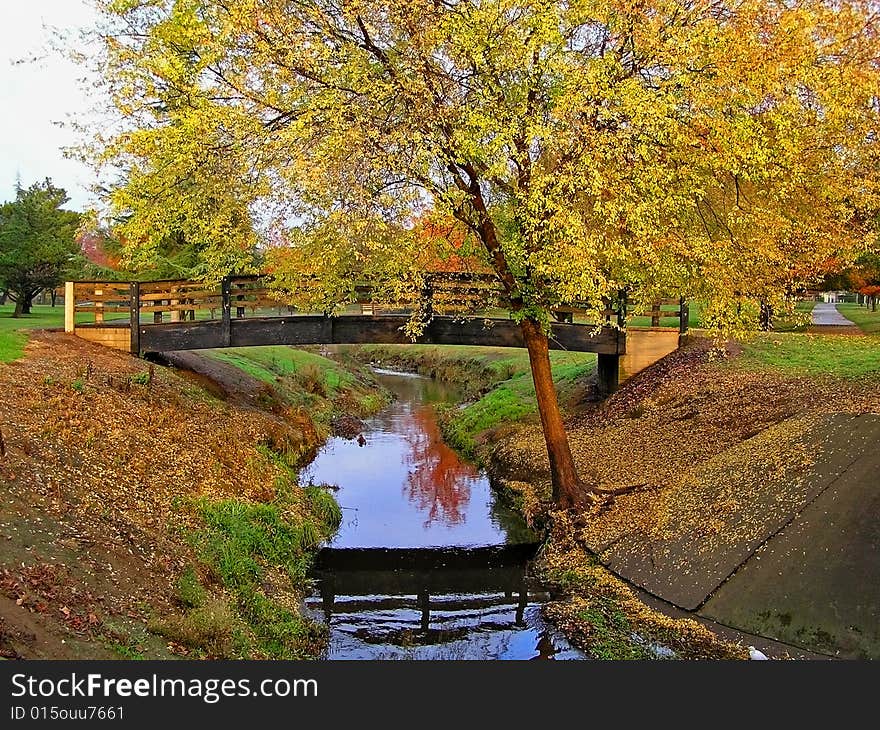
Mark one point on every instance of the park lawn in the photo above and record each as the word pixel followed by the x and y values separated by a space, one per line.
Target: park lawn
pixel 13 338
pixel 13 331
pixel 848 356
pixel 866 320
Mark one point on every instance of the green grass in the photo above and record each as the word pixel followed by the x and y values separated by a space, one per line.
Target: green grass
pixel 241 543
pixel 513 401
pixel 306 379
pixel 13 336
pixel 273 362
pixel 13 331
pixel 837 355
pixel 862 317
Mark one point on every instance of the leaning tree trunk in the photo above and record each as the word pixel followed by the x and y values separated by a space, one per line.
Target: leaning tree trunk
pixel 568 490
pixel 19 308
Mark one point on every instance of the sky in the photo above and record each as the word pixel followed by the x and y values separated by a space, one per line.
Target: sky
pixel 38 95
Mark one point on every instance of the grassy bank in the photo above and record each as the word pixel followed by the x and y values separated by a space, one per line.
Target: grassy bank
pixel 497 385
pixel 864 318
pixel 255 555
pixel 305 380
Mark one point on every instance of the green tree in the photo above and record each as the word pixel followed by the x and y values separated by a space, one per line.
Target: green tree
pixel 37 242
pixel 717 148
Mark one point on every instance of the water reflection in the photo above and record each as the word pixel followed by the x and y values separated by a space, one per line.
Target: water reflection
pixel 426 564
pixel 434 604
pixel 439 483
pixel 404 487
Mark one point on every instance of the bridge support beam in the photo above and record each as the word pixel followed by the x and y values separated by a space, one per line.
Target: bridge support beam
pixel 226 311
pixel 134 312
pixel 608 374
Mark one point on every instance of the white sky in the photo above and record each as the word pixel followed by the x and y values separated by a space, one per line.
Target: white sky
pixel 35 96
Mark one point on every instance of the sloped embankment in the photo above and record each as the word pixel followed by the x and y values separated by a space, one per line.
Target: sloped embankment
pixel 724 454
pixel 143 516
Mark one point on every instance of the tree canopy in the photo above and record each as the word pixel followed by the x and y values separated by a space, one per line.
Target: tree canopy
pixel 719 149
pixel 37 242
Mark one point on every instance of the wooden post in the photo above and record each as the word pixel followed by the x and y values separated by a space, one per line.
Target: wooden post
pixel 226 304
pixel 608 374
pixel 99 305
pixel 684 318
pixel 328 594
pixel 425 606
pixel 69 307
pixel 134 317
pixel 655 314
pixel 175 313
pixel 521 605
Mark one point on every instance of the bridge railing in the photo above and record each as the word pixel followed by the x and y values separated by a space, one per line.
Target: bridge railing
pixel 663 314
pixel 442 294
pixel 96 300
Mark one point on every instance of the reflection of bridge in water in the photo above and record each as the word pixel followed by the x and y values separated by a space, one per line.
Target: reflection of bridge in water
pixel 457 309
pixel 399 597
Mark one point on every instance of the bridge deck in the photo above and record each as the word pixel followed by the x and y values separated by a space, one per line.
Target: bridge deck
pixel 363 329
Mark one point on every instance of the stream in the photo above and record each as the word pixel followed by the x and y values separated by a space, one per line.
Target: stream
pixel 426 563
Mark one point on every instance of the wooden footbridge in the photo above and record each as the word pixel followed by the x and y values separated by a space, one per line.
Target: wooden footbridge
pixel 458 309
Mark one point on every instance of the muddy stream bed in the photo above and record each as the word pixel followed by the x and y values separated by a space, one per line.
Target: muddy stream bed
pixel 426 563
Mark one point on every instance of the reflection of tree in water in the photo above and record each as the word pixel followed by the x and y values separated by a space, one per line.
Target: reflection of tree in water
pixel 439 483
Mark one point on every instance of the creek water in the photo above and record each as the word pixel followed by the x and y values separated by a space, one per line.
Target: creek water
pixel 426 563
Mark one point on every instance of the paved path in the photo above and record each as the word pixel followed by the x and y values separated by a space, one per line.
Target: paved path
pixel 826 314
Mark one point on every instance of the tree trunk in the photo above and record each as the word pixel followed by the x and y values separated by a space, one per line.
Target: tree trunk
pixel 54 296
pixel 26 304
pixel 18 308
pixel 568 490
pixel 3 297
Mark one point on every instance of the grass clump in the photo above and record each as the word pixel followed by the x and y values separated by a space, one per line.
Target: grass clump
pixel 259 553
pixel 189 589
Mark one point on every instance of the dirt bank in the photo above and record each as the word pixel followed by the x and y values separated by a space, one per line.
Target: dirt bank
pixel 138 508
pixel 723 455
